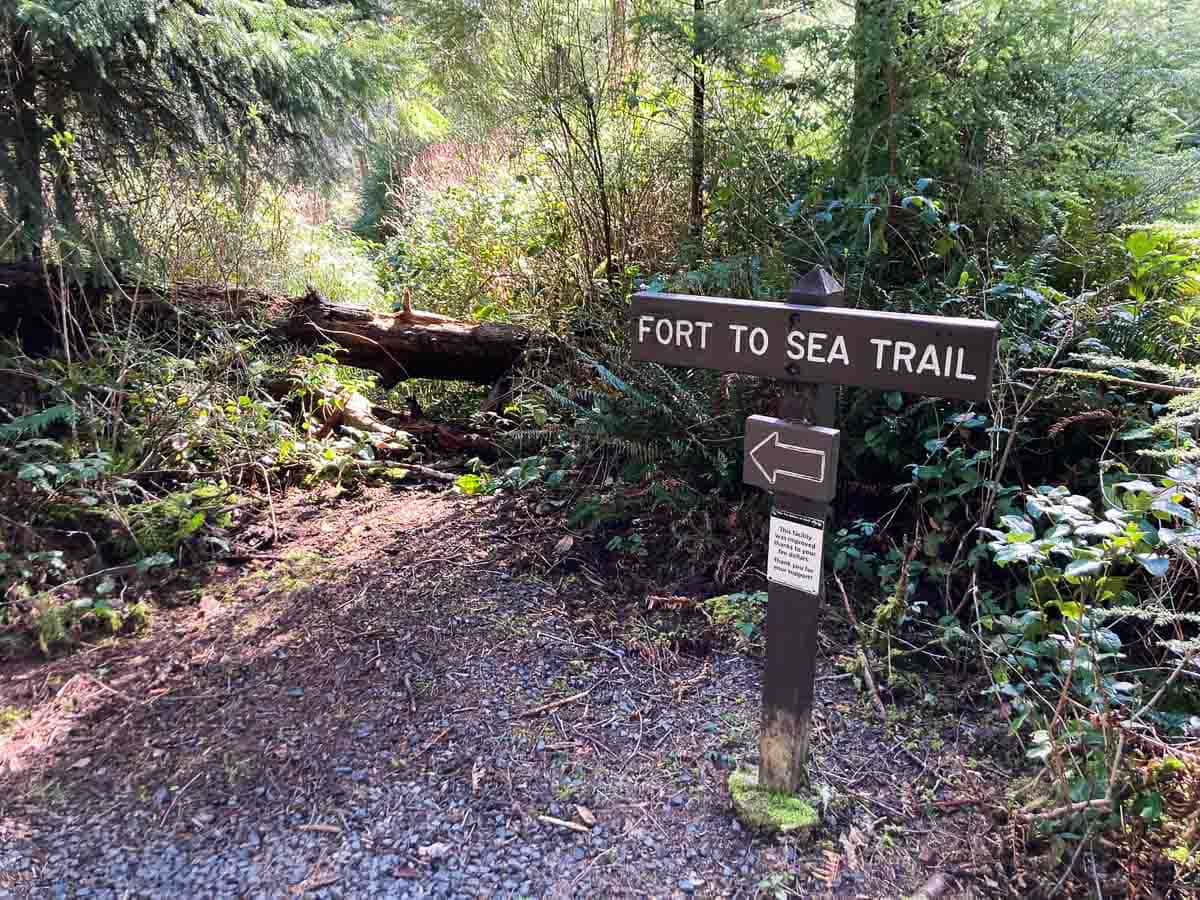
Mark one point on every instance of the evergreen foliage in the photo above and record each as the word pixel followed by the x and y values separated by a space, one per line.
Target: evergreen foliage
pixel 94 90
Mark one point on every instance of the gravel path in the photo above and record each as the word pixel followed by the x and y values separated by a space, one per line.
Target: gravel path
pixel 413 721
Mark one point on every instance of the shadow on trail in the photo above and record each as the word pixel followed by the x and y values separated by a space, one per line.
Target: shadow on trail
pixel 393 712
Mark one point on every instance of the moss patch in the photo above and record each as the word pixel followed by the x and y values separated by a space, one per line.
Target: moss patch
pixel 10 716
pixel 767 811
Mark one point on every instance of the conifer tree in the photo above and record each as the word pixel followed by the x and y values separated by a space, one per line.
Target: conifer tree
pixel 93 88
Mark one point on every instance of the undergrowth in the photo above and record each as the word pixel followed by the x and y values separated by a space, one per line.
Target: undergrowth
pixel 144 454
pixel 1044 545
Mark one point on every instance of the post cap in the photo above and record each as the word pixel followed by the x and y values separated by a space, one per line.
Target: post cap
pixel 814 287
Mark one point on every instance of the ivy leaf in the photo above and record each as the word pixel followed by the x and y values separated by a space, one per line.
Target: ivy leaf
pixel 1071 610
pixel 1098 529
pixel 1018 524
pixel 1171 508
pixel 1138 486
pixel 1082 568
pixel 1034 508
pixel 1154 563
pixel 30 472
pixel 1185 474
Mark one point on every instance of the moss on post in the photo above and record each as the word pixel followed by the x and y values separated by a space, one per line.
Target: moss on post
pixel 764 810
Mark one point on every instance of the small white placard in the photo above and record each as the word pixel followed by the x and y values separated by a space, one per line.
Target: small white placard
pixel 794 555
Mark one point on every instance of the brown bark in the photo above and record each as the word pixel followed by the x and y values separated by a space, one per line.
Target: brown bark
pixel 27 145
pixel 696 201
pixel 411 344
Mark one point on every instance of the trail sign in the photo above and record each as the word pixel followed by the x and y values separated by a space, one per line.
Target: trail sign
pixel 816 343
pixel 933 355
pixel 790 458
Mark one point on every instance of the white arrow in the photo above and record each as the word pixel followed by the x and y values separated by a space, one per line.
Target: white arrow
pixel 773 438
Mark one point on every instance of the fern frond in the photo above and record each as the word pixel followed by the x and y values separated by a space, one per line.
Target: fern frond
pixel 37 423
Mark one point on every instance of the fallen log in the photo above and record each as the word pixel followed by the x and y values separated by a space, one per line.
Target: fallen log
pixel 339 406
pixel 409 344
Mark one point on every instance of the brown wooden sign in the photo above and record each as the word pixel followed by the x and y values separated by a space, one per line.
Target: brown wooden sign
pixel 932 355
pixel 790 458
pixel 812 340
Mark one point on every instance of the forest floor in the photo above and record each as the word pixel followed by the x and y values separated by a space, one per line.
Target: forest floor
pixel 381 707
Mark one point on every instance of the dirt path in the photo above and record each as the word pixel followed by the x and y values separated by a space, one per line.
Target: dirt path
pixel 384 710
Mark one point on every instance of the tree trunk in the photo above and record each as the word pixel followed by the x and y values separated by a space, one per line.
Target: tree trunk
pixel 29 205
pixel 407 345
pixel 870 139
pixel 696 206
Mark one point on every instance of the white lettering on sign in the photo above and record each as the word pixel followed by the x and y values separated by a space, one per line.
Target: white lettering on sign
pixel 811 346
pixel 823 348
pixel 674 332
pixel 899 355
pixel 794 555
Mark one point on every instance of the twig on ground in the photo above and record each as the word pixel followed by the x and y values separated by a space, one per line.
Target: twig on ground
pixel 563 823
pixel 270 504
pixel 555 704
pixel 325 829
pixel 599 856
pixel 1102 805
pixel 869 680
pixel 175 799
pixel 1067 873
pixel 433 740
pixel 846 602
pixel 436 474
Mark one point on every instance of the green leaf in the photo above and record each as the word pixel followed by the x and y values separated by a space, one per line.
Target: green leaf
pixel 192 525
pixel 1150 806
pixel 1099 529
pixel 1018 524
pixel 1071 610
pixel 1138 486
pixel 153 562
pixel 1139 244
pixel 1170 508
pixel 1154 563
pixel 471 484
pixel 1083 568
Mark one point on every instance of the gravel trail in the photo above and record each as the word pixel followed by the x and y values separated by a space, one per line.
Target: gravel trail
pixel 391 713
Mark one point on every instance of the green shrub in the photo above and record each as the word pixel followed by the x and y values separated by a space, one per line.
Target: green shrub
pixel 491 249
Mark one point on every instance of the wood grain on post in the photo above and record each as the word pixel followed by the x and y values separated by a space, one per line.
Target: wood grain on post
pixel 791 626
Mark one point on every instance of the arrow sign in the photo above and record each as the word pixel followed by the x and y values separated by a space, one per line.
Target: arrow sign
pixel 792 459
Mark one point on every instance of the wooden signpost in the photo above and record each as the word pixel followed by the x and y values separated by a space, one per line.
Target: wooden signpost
pixel 812 342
